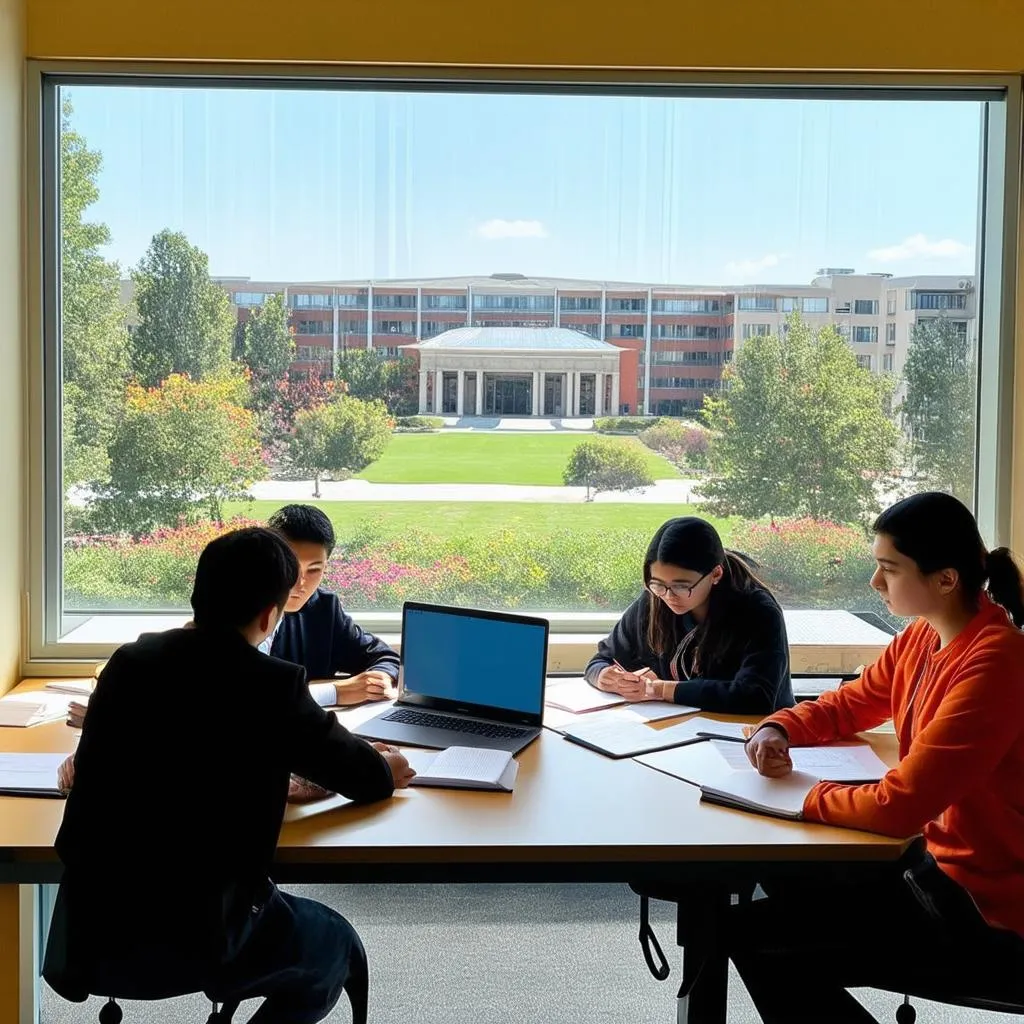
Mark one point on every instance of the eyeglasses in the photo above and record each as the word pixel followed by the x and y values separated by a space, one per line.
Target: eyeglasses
pixel 678 589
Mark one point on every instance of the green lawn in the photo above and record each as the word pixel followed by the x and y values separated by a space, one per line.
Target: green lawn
pixel 452 519
pixel 467 458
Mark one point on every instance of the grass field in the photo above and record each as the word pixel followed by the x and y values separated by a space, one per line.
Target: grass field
pixel 467 458
pixel 454 519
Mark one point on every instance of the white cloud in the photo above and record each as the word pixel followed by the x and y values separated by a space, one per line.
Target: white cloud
pixel 500 228
pixel 919 246
pixel 752 268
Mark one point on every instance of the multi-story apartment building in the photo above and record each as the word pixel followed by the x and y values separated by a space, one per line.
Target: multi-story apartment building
pixel 609 345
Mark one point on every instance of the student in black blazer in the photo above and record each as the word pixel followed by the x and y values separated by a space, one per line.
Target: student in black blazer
pixel 706 633
pixel 175 810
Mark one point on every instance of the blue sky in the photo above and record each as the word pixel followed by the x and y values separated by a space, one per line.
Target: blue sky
pixel 298 185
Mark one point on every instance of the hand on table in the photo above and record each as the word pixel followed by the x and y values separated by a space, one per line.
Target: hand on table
pixel 631 685
pixel 768 750
pixel 401 771
pixel 302 791
pixel 66 774
pixel 369 685
pixel 76 714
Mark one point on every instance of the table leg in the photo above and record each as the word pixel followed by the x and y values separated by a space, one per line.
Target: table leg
pixel 704 993
pixel 19 964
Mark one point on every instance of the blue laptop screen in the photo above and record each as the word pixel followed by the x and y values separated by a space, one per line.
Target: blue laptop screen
pixel 473 660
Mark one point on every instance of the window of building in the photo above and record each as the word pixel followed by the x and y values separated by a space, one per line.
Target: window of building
pixel 890 334
pixel 864 362
pixel 579 303
pixel 865 335
pixel 757 302
pixel 936 300
pixel 888 362
pixel 865 307
pixel 389 214
pixel 249 298
pixel 444 301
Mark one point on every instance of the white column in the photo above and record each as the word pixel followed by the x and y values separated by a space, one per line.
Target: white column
pixel 438 386
pixel 614 411
pixel 479 392
pixel 598 394
pixel 540 399
pixel 574 393
pixel 460 392
pixel 423 391
pixel 535 396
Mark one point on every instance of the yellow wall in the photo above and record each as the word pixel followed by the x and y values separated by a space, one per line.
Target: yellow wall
pixel 835 34
pixel 11 346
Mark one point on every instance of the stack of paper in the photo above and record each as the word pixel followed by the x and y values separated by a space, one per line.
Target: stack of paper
pixel 30 774
pixel 78 687
pixel 33 708
pixel 464 768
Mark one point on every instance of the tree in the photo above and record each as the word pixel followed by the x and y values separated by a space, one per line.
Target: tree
pixel 181 448
pixel 342 436
pixel 605 465
pixel 799 430
pixel 185 321
pixel 94 335
pixel 939 407
pixel 369 374
pixel 268 348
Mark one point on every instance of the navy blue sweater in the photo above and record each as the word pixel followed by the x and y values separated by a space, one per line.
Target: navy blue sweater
pixel 322 637
pixel 754 681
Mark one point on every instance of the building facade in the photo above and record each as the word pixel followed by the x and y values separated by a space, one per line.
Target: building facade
pixel 671 341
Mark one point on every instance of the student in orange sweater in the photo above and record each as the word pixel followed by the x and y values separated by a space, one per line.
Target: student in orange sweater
pixel 953 684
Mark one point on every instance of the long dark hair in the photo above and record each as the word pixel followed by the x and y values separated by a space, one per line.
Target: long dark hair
pixel 939 532
pixel 694 544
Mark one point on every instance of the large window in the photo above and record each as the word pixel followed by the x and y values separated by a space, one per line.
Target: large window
pixel 176 403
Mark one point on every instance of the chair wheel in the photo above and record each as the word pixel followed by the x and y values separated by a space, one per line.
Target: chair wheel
pixel 110 1013
pixel 905 1014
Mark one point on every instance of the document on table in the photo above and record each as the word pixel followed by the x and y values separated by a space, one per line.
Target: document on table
pixel 30 774
pixel 578 696
pixel 617 736
pixel 33 708
pixel 833 762
pixel 464 768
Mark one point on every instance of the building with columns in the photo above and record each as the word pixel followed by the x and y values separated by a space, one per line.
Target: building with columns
pixel 518 371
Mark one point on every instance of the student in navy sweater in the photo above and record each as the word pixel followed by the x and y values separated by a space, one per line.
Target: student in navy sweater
pixel 316 632
pixel 706 633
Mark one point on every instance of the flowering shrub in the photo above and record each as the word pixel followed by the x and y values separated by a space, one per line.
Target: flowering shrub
pixel 684 444
pixel 808 562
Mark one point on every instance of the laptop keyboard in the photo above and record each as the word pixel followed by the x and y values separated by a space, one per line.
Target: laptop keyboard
pixel 435 721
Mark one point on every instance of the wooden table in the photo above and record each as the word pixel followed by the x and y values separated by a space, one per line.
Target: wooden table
pixel 574 816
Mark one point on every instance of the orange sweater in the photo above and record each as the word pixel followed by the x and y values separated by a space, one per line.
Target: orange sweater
pixel 960 778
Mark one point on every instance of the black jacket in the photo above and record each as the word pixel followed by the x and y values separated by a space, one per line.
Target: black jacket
pixel 169 831
pixel 322 637
pixel 754 681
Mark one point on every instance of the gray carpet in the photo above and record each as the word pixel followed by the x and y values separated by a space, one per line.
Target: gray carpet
pixel 490 954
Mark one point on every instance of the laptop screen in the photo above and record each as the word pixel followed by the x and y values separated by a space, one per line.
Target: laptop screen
pixel 479 658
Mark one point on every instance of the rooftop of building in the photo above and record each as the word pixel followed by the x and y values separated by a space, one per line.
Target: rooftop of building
pixel 517 339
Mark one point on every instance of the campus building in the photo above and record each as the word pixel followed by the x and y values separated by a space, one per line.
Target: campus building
pixel 508 344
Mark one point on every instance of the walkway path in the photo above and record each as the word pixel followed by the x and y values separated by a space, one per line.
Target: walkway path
pixel 669 492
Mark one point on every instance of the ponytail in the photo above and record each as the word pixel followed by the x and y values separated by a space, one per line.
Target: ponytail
pixel 1005 584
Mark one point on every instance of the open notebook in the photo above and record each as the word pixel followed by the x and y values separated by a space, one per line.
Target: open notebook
pixel 464 768
pixel 30 774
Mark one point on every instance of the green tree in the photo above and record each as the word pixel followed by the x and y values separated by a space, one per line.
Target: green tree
pixel 939 409
pixel 268 348
pixel 342 436
pixel 181 449
pixel 369 375
pixel 799 430
pixel 185 320
pixel 94 336
pixel 605 465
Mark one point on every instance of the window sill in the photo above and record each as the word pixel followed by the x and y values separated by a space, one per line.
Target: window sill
pixel 821 642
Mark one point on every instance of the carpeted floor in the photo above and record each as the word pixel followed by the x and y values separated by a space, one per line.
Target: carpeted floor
pixel 490 954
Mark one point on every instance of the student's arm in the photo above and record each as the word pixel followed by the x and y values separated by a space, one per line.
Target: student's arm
pixel 977 722
pixel 326 753
pixel 355 650
pixel 861 704
pixel 622 644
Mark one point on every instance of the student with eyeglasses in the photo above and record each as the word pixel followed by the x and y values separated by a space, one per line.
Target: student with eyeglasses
pixel 706 632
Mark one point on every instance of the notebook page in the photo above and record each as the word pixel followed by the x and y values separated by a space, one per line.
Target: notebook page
pixel 30 772
pixel 754 792
pixel 577 695
pixel 469 764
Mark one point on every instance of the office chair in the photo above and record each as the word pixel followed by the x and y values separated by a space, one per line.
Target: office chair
pixel 906 1014
pixel 111 1013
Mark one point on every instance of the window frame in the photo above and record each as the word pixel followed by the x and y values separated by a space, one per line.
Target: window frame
pixel 999 258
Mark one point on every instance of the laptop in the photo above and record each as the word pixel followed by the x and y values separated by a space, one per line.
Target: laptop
pixel 469 678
